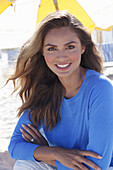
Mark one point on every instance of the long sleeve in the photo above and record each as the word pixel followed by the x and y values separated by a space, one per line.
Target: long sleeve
pixel 94 122
pixel 18 147
pixel 86 124
pixel 101 123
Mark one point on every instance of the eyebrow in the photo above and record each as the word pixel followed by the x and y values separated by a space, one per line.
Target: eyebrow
pixel 70 43
pixel 64 44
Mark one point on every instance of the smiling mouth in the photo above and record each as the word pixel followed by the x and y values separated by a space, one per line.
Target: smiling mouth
pixel 63 66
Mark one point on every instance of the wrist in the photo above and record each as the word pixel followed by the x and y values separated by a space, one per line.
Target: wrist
pixel 55 152
pixel 45 153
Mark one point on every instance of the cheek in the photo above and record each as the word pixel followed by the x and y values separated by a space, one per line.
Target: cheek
pixel 75 55
pixel 49 59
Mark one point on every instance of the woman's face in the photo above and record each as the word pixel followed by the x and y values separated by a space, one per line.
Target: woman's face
pixel 62 51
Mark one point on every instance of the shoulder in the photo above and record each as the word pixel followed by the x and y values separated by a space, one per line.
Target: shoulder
pixel 24 117
pixel 97 80
pixel 98 87
pixel 25 114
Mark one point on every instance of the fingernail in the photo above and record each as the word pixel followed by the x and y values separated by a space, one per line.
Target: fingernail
pixel 20 129
pixel 23 125
pixel 100 157
pixel 98 168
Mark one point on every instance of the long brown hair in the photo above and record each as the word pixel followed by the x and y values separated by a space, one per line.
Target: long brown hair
pixel 39 88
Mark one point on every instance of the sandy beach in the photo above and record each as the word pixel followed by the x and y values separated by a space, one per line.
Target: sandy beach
pixel 8 112
pixel 8 119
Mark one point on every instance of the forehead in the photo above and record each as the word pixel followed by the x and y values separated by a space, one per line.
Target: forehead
pixel 64 33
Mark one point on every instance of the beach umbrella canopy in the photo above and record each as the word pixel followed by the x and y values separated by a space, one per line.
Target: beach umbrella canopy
pixel 93 14
pixel 101 13
pixel 48 6
pixel 72 6
pixel 90 13
pixel 4 4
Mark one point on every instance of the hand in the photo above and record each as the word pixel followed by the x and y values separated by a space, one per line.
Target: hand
pixel 32 132
pixel 74 158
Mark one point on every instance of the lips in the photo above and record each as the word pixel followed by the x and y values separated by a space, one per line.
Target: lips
pixel 63 66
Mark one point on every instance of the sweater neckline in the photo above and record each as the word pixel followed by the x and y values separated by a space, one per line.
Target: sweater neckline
pixel 80 90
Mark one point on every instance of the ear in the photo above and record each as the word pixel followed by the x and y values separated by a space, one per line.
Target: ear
pixel 83 49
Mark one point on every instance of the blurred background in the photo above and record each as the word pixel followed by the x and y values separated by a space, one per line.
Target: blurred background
pixel 18 20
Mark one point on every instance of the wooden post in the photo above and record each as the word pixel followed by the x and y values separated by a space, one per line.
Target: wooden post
pixel 99 39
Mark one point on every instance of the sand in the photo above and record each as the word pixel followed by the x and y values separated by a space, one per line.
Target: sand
pixel 8 112
pixel 6 163
pixel 8 119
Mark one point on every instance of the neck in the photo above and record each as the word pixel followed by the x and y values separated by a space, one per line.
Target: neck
pixel 73 83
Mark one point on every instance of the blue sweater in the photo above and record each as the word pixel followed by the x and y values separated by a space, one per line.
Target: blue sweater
pixel 86 124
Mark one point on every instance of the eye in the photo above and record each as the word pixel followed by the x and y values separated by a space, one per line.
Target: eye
pixel 51 49
pixel 70 47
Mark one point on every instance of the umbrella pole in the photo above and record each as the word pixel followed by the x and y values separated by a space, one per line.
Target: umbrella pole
pixel 100 42
pixel 99 39
pixel 56 5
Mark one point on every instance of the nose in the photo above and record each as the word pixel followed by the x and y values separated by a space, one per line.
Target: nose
pixel 61 54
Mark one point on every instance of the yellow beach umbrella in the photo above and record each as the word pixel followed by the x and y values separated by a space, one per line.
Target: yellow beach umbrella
pixel 4 4
pixel 72 6
pixel 75 7
pixel 48 6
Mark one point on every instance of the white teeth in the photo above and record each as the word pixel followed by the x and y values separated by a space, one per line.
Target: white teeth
pixel 62 66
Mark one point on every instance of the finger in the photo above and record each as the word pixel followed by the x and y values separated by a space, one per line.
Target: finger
pixel 42 139
pixel 76 168
pixel 30 131
pixel 35 130
pixel 90 153
pixel 39 139
pixel 25 138
pixel 25 134
pixel 81 166
pixel 28 138
pixel 90 163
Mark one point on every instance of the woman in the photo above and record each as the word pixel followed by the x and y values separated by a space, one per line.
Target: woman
pixel 63 92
